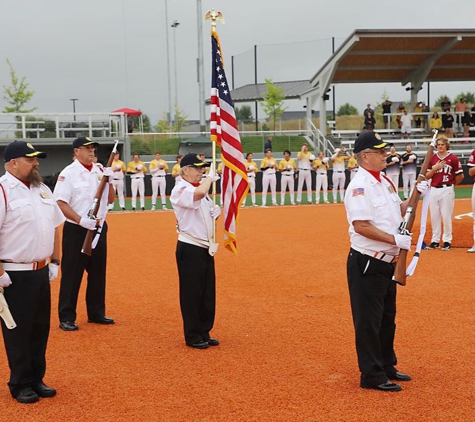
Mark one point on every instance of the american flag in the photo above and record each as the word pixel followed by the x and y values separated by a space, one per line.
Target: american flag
pixel 225 133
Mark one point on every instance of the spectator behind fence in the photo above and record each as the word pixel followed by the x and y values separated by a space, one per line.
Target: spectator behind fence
pixel 400 110
pixel 386 111
pixel 369 121
pixel 435 121
pixel 448 124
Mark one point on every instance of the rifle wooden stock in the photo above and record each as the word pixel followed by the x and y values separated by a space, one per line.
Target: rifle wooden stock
pixel 401 265
pixel 87 244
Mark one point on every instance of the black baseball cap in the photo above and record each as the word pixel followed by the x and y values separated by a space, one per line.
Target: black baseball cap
pixel 370 140
pixel 193 159
pixel 81 142
pixel 18 149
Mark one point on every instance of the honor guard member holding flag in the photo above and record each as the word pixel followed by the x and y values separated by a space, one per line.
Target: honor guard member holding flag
pixel 29 237
pixel 137 170
pixel 196 214
pixel 374 212
pixel 119 169
pixel 158 170
pixel 75 190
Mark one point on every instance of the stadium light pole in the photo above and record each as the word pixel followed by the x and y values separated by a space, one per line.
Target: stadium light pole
pixel 174 26
pixel 168 66
pixel 74 107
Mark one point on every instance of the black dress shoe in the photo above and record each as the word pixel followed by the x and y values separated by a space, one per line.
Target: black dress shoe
pixel 68 326
pixel 387 386
pixel 399 376
pixel 213 341
pixel 26 395
pixel 199 345
pixel 102 320
pixel 43 390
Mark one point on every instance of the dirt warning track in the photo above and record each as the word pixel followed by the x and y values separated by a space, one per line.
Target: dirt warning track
pixel 283 318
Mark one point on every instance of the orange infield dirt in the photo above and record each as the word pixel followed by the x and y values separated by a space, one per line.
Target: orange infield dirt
pixel 283 318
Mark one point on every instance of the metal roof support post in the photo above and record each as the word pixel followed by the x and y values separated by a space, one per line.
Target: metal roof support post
pixel 23 126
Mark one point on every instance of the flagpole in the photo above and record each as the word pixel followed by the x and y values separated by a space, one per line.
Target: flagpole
pixel 214 16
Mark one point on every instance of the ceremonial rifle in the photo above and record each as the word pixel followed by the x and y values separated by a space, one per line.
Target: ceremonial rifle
pixel 87 245
pixel 406 226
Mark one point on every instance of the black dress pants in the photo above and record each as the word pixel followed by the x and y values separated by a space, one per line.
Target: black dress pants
pixel 197 291
pixel 29 300
pixel 73 264
pixel 373 305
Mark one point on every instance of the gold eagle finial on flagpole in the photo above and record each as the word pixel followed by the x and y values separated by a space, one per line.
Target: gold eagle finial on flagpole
pixel 214 16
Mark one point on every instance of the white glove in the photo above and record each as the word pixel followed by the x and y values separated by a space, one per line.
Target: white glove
pixel 325 160
pixel 215 212
pixel 53 271
pixel 108 171
pixel 212 173
pixel 422 187
pixel 312 157
pixel 403 241
pixel 5 280
pixel 88 223
pixel 412 157
pixel 395 159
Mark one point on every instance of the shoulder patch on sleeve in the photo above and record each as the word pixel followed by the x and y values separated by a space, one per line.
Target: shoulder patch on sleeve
pixel 358 192
pixel 61 178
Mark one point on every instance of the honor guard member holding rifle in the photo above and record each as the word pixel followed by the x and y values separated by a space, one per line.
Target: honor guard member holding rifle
pixel 75 190
pixel 137 170
pixel 159 169
pixel 29 236
pixel 374 211
pixel 196 214
pixel 119 169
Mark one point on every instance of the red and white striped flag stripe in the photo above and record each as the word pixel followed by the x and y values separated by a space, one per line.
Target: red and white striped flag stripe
pixel 225 133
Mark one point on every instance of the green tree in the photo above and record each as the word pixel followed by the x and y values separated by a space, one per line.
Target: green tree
pixel 438 102
pixel 347 110
pixel 162 125
pixel 135 120
pixel 17 94
pixel 180 119
pixel 469 97
pixel 273 101
pixel 243 114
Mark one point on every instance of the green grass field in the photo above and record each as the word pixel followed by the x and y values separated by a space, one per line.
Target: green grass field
pixel 460 192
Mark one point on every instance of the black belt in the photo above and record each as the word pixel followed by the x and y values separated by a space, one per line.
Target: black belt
pixel 158 176
pixel 443 186
pixel 304 169
pixel 284 174
pixel 338 172
pixel 321 174
pixel 137 178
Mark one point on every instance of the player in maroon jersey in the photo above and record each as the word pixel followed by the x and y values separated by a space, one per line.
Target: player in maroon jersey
pixel 445 171
pixel 471 172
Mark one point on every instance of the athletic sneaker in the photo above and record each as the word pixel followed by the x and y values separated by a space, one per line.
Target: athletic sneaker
pixel 153 208
pixel 433 245
pixel 164 208
pixel 123 209
pixel 446 246
pixel 472 249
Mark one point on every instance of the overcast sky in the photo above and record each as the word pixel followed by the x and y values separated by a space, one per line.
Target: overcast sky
pixel 112 53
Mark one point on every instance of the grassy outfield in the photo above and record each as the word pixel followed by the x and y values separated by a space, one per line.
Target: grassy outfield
pixel 460 192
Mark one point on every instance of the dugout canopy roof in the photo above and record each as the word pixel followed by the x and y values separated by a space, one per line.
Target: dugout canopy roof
pixel 406 56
